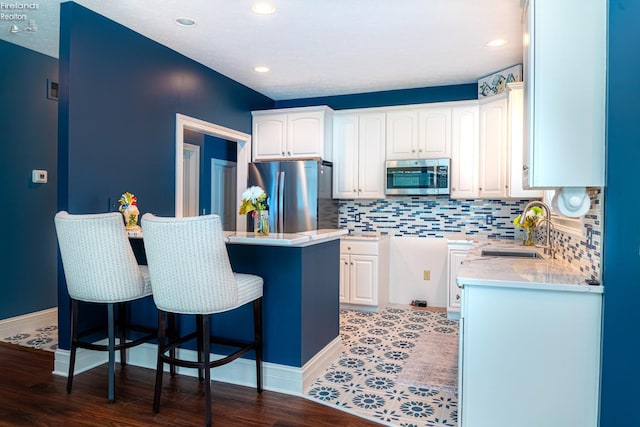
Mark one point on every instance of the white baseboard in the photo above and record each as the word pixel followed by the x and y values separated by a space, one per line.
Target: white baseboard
pixel 15 325
pixel 280 378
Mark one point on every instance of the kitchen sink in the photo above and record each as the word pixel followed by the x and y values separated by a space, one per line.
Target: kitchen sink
pixel 511 252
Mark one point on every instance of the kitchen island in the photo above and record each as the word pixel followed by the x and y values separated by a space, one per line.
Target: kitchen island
pixel 530 332
pixel 300 309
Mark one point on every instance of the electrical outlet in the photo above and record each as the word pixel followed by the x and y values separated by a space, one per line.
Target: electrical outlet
pixel 426 275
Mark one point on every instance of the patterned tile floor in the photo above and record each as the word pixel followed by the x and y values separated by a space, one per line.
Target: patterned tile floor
pixel 376 347
pixel 43 338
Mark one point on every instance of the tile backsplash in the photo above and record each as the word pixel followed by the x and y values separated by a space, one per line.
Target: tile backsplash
pixel 440 216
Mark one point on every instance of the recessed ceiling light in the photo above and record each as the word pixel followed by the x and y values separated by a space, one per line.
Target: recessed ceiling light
pixel 497 43
pixel 185 22
pixel 263 8
pixel 261 69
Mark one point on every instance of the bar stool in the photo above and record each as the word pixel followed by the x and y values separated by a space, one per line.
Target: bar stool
pixel 191 275
pixel 100 267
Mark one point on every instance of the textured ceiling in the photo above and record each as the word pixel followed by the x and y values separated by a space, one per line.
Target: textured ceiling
pixel 316 47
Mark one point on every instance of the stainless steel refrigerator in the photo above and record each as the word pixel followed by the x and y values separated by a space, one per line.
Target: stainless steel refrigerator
pixel 299 195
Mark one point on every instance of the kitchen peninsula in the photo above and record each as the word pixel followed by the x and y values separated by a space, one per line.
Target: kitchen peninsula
pixel 301 311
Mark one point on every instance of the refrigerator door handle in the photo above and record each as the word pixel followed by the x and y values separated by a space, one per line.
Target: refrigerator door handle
pixel 280 225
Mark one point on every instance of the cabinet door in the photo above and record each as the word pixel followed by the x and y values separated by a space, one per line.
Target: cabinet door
pixel 363 279
pixel 493 149
pixel 371 152
pixel 269 135
pixel 305 134
pixel 464 152
pixel 456 256
pixel 344 278
pixel 402 134
pixel 434 133
pixel 516 144
pixel 566 116
pixel 345 156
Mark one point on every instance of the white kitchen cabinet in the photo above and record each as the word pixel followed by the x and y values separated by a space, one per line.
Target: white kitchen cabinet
pixel 293 134
pixel 457 251
pixel 492 178
pixel 464 150
pixel 420 133
pixel 359 155
pixel 529 357
pixel 516 143
pixel 565 83
pixel 364 271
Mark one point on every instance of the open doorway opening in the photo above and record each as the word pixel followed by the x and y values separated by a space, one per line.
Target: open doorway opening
pixel 224 190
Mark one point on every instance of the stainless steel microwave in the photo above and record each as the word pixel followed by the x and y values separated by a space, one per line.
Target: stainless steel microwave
pixel 417 177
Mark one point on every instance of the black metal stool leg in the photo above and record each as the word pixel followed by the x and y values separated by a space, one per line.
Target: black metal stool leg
pixel 112 352
pixel 122 320
pixel 207 369
pixel 160 363
pixel 257 325
pixel 74 343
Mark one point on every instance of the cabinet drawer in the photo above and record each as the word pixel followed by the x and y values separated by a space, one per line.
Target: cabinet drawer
pixel 359 247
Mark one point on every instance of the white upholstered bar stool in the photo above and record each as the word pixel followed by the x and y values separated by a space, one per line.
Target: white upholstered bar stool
pixel 191 274
pixel 100 267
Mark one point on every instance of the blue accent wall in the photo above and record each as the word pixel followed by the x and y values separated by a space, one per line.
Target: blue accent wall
pixel 621 261
pixel 119 95
pixel 389 98
pixel 28 128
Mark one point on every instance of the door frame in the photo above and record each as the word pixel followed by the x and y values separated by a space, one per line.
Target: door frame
pixel 243 144
pixel 193 162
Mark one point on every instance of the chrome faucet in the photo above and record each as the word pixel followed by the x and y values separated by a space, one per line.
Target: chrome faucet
pixel 548 247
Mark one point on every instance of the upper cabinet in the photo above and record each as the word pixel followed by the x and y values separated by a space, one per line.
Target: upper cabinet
pixel 420 133
pixel 492 173
pixel 464 150
pixel 516 140
pixel 293 134
pixel 565 78
pixel 358 167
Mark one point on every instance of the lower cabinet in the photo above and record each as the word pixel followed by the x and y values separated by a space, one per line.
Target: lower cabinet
pixel 457 251
pixel 529 357
pixel 364 271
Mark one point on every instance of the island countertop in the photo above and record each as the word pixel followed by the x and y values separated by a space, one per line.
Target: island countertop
pixel 514 272
pixel 300 239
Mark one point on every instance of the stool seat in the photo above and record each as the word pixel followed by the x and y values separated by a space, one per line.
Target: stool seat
pixel 191 275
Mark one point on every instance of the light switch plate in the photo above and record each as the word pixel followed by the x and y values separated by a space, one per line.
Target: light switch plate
pixel 39 176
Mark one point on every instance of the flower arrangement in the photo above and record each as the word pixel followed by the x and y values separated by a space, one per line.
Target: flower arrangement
pixel 253 199
pixel 129 209
pixel 531 220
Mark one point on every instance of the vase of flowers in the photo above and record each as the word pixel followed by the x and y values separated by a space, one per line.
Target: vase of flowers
pixel 254 201
pixel 529 223
pixel 129 209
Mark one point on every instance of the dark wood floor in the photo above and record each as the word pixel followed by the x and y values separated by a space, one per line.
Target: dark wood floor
pixel 30 395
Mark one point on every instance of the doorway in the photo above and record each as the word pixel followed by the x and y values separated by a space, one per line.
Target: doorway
pixel 243 156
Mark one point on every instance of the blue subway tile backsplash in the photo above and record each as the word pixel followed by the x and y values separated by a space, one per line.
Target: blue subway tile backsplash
pixel 442 217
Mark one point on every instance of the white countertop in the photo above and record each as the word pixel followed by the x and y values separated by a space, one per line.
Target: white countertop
pixel 365 236
pixel 526 273
pixel 303 238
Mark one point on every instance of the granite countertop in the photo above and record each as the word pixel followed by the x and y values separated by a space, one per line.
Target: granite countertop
pixel 526 273
pixel 304 238
pixel 365 236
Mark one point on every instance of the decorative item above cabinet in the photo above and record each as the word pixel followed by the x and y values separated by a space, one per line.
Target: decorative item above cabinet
pixel 564 92
pixel 293 134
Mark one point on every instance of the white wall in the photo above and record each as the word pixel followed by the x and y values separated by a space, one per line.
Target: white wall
pixel 408 258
